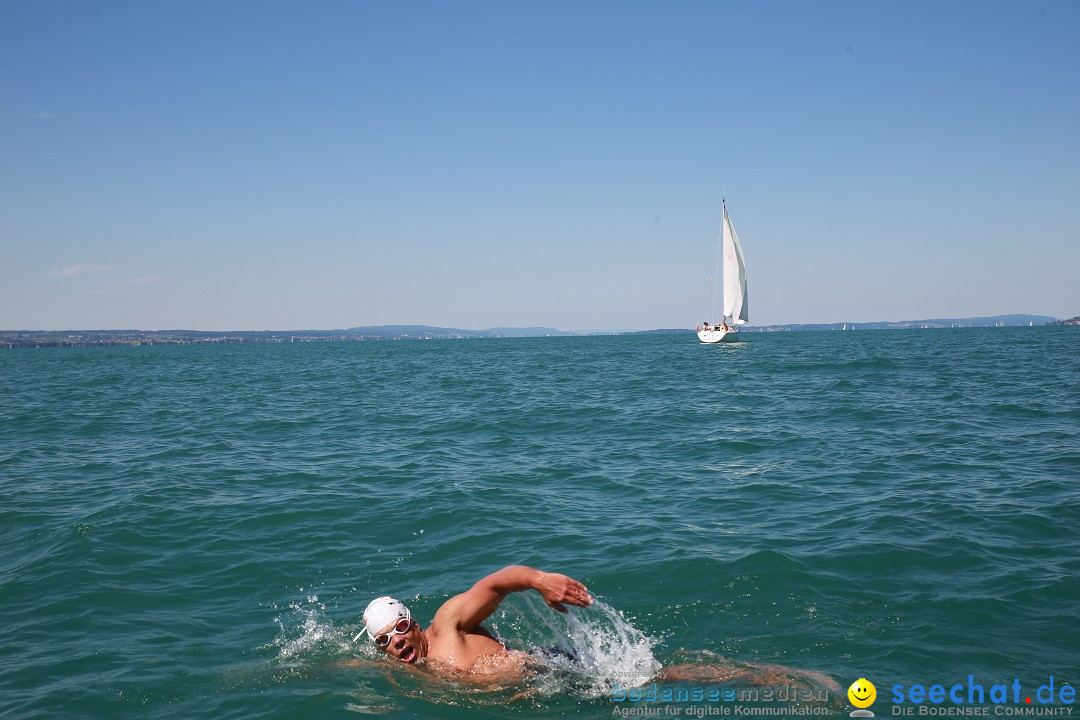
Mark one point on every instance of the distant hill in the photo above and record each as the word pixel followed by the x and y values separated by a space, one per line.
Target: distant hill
pixel 90 338
pixel 996 320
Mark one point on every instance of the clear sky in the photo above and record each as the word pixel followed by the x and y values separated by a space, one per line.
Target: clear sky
pixel 286 165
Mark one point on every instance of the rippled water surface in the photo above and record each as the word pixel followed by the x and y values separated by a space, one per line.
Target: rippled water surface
pixel 192 532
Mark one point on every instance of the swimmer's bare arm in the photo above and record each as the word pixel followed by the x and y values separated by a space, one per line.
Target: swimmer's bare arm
pixel 466 611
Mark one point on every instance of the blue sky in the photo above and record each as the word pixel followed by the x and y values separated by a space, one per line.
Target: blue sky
pixel 273 165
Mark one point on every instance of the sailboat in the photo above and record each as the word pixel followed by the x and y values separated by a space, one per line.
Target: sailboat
pixel 735 302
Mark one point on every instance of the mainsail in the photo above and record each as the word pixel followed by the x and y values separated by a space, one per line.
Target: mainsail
pixel 735 301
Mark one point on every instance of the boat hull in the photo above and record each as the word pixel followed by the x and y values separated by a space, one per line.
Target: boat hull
pixel 718 336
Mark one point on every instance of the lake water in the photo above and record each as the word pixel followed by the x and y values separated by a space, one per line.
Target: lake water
pixel 193 532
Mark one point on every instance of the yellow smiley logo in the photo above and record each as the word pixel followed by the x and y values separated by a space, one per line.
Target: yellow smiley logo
pixel 862 693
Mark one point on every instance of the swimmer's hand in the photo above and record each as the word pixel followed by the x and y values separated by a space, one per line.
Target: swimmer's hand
pixel 558 589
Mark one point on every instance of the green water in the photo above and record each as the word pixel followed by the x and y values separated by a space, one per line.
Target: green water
pixel 192 532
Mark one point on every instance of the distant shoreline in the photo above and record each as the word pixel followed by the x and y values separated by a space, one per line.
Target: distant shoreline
pixel 104 338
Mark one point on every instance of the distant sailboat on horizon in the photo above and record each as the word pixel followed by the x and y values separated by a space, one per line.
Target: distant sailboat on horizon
pixel 736 311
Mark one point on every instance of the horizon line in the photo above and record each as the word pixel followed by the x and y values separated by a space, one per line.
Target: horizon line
pixel 1032 316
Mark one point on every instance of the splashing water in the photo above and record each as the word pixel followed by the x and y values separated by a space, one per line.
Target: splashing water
pixel 611 650
pixel 589 650
pixel 318 638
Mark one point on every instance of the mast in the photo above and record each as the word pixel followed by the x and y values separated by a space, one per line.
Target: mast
pixel 716 272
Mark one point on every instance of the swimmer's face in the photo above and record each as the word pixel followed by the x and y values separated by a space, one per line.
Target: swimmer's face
pixel 862 693
pixel 408 647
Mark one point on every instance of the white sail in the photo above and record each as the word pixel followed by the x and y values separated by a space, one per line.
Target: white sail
pixel 735 300
pixel 734 283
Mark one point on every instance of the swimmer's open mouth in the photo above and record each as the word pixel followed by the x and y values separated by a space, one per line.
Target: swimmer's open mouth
pixel 408 656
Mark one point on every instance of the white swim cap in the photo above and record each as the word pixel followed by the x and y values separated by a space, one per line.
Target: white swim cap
pixel 381 612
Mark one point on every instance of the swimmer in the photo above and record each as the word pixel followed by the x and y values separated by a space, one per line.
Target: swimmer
pixel 457 645
pixel 455 640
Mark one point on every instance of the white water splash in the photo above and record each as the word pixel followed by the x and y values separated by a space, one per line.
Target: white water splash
pixel 610 650
pixel 588 651
pixel 317 634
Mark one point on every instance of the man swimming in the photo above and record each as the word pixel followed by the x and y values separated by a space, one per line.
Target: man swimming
pixel 455 640
pixel 456 644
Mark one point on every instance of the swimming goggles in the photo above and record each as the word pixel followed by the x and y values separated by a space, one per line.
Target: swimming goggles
pixel 402 626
